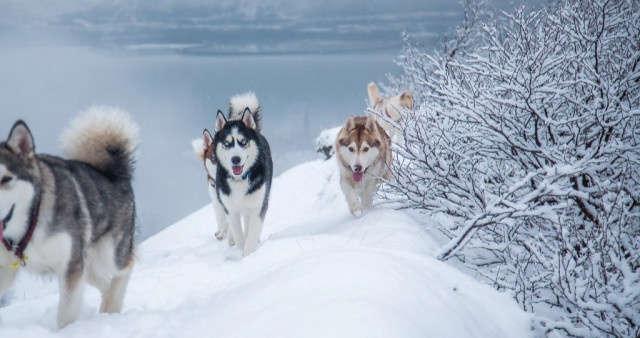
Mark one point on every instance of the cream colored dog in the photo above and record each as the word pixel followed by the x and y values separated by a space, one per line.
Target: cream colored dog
pixel 392 108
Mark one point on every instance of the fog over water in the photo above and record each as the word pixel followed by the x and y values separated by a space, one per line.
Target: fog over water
pixel 172 64
pixel 174 97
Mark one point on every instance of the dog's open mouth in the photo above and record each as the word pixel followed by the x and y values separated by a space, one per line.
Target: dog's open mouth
pixel 357 176
pixel 237 169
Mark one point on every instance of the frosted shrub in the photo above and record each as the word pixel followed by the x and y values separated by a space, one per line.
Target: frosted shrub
pixel 528 137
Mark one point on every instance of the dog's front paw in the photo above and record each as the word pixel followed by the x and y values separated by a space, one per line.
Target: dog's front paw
pixel 355 209
pixel 221 234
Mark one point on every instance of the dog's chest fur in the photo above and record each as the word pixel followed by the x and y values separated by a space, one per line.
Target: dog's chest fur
pixel 240 195
pixel 49 253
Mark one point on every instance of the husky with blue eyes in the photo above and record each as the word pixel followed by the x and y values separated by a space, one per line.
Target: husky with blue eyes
pixel 244 170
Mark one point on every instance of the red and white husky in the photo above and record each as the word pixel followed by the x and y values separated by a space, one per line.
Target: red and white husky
pixel 363 150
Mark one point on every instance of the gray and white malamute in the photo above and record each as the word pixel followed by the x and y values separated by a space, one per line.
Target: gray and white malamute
pixel 74 218
pixel 244 170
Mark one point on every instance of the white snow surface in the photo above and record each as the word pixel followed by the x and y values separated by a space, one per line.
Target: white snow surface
pixel 318 272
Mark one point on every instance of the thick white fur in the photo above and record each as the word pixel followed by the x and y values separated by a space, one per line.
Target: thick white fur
pixel 239 102
pixel 97 129
pixel 245 209
pixel 198 147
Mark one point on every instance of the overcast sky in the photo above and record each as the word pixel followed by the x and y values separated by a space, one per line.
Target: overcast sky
pixel 227 26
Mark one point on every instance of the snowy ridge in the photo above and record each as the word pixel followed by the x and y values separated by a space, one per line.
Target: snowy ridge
pixel 319 272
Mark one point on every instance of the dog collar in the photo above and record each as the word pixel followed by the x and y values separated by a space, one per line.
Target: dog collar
pixel 246 175
pixel 386 111
pixel 18 250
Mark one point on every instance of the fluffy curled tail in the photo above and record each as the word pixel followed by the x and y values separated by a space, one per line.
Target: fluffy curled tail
pixel 240 102
pixel 198 147
pixel 105 138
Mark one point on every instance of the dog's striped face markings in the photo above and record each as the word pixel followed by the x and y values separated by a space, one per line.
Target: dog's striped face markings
pixel 230 142
pixel 16 195
pixel 237 153
pixel 359 144
pixel 7 179
pixel 359 156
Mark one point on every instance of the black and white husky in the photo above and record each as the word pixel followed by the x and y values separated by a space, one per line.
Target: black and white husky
pixel 244 170
pixel 75 217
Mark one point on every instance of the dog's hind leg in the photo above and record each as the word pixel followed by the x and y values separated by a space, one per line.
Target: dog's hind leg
pixel 254 228
pixel 113 298
pixel 70 296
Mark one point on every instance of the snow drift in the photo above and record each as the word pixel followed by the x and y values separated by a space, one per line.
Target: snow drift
pixel 319 272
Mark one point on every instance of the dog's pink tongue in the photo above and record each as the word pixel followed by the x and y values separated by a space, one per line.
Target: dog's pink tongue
pixel 357 176
pixel 237 169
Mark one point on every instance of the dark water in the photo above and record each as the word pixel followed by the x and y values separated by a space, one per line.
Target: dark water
pixel 173 97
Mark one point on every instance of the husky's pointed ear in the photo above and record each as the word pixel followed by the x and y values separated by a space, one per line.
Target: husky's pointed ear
pixel 207 139
pixel 20 140
pixel 220 121
pixel 351 123
pixel 406 100
pixel 370 124
pixel 247 119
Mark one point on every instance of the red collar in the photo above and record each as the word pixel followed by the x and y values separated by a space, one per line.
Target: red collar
pixel 22 245
pixel 386 111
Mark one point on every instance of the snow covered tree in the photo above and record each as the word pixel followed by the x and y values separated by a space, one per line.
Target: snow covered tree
pixel 527 135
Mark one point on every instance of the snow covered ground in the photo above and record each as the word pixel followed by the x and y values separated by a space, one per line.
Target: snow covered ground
pixel 319 272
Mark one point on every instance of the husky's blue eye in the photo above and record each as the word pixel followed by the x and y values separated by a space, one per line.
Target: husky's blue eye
pixel 226 144
pixel 243 142
pixel 6 179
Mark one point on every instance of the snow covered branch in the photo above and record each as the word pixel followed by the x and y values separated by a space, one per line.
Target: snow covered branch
pixel 528 137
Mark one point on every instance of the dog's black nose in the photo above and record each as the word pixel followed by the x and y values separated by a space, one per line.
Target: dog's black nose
pixel 357 168
pixel 235 160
